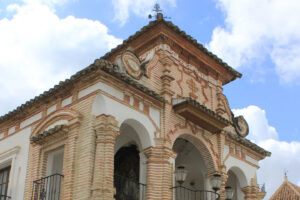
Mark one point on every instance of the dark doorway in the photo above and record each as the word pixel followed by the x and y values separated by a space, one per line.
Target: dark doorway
pixel 127 173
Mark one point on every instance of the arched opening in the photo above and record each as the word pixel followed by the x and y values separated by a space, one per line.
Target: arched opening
pixel 129 162
pixel 236 180
pixel 191 157
pixel 127 173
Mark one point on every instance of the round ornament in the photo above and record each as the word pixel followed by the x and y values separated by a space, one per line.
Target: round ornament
pixel 132 64
pixel 241 126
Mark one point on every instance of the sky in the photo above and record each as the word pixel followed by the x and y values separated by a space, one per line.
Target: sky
pixel 45 41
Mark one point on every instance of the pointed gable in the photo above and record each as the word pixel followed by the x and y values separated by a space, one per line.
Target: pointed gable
pixel 287 191
pixel 165 32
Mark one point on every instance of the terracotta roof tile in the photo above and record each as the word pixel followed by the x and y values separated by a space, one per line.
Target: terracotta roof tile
pixel 286 191
pixel 248 143
pixel 180 32
pixel 101 64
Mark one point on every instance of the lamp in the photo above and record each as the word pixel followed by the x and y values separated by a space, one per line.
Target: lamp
pixel 228 193
pixel 216 182
pixel 180 174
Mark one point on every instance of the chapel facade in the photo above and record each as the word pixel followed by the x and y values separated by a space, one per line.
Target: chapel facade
pixel 147 121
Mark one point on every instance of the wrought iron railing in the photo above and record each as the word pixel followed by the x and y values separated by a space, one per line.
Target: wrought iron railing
pixel 47 188
pixel 183 193
pixel 129 189
pixel 262 187
pixel 4 197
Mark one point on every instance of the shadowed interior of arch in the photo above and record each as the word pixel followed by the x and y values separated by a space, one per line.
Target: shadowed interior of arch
pixel 236 180
pixel 191 159
pixel 129 162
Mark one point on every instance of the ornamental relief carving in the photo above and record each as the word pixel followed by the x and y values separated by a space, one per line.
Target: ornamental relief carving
pixel 223 108
pixel 194 87
pixel 189 81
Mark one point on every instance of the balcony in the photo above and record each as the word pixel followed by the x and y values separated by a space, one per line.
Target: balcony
pixel 183 193
pixel 47 188
pixel 4 197
pixel 129 189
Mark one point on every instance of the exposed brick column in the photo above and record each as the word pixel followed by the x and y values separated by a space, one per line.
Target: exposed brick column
pixel 69 158
pixel 222 189
pixel 106 129
pixel 250 192
pixel 160 173
pixel 32 169
pixel 224 178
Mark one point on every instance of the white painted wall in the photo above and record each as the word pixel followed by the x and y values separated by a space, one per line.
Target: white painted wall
pixel 246 171
pixel 14 152
pixel 142 124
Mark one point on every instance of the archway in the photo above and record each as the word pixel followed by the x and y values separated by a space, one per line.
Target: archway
pixel 191 159
pixel 192 155
pixel 236 180
pixel 127 173
pixel 130 163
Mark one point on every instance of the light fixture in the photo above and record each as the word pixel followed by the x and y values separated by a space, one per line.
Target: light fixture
pixel 180 174
pixel 228 193
pixel 216 182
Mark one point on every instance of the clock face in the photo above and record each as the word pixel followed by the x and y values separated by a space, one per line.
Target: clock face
pixel 132 64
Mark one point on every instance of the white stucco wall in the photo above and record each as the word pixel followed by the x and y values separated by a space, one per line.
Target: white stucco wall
pixel 14 152
pixel 105 105
pixel 248 171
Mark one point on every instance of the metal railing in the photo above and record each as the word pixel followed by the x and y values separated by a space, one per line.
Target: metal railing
pixel 4 197
pixel 183 193
pixel 47 188
pixel 262 187
pixel 129 189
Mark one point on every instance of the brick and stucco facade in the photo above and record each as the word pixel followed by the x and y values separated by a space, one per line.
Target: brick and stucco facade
pixel 170 101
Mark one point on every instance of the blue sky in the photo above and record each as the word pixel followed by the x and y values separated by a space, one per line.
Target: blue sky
pixel 52 39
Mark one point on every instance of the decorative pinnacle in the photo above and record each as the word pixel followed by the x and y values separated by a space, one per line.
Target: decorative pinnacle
pixel 159 15
pixel 157 8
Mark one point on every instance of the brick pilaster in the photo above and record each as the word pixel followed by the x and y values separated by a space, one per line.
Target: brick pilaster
pixel 69 168
pixel 106 129
pixel 160 173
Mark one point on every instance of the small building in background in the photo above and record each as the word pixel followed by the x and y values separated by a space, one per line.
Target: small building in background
pixel 286 191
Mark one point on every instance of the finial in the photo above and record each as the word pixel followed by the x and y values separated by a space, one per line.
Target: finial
pixel 285 175
pixel 157 8
pixel 159 15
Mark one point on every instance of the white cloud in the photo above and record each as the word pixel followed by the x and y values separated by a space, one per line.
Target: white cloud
pixel 260 129
pixel 38 49
pixel 142 8
pixel 258 29
pixel 285 155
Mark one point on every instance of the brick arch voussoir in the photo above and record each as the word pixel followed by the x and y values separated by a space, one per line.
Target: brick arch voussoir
pixel 204 145
pixel 71 115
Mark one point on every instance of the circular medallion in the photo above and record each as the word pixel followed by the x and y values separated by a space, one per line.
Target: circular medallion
pixel 241 126
pixel 132 64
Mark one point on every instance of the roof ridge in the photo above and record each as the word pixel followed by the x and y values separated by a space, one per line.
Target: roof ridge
pixel 289 185
pixel 294 187
pixel 180 32
pixel 278 190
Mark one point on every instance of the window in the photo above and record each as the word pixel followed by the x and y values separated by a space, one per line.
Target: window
pixel 55 162
pixel 49 186
pixel 4 178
